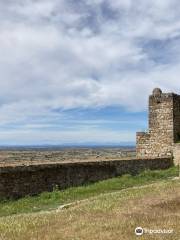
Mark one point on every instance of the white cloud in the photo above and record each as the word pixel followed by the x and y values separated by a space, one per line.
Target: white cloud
pixel 65 54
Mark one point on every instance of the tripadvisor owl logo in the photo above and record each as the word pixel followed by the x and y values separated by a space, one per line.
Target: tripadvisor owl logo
pixel 139 231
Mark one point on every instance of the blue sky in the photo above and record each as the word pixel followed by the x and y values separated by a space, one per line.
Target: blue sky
pixel 79 72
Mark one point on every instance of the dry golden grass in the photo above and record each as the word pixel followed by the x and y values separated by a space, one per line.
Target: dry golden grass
pixel 111 216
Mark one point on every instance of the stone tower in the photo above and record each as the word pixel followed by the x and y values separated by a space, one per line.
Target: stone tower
pixel 164 126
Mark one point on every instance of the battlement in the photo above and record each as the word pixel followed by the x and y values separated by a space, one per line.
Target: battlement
pixel 164 126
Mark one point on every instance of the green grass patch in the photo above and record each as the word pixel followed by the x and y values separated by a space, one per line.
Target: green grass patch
pixel 51 200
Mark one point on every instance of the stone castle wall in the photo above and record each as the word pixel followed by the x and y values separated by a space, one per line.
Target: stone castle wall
pixel 164 126
pixel 176 117
pixel 19 181
pixel 176 154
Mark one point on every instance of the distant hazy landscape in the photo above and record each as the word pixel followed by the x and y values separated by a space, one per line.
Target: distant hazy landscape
pixel 28 155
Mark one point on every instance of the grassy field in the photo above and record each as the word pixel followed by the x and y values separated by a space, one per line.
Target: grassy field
pixel 108 210
pixel 48 201
pixel 110 216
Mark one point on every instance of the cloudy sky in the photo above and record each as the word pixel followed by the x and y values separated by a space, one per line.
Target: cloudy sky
pixel 80 71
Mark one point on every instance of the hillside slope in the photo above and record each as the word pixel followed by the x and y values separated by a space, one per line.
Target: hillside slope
pixel 110 216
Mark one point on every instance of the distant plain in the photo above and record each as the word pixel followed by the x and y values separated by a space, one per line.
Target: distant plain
pixel 13 156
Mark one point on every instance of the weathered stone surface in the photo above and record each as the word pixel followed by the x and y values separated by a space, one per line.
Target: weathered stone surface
pixel 19 181
pixel 176 154
pixel 164 126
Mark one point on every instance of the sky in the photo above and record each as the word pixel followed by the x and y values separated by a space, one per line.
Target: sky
pixel 80 72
